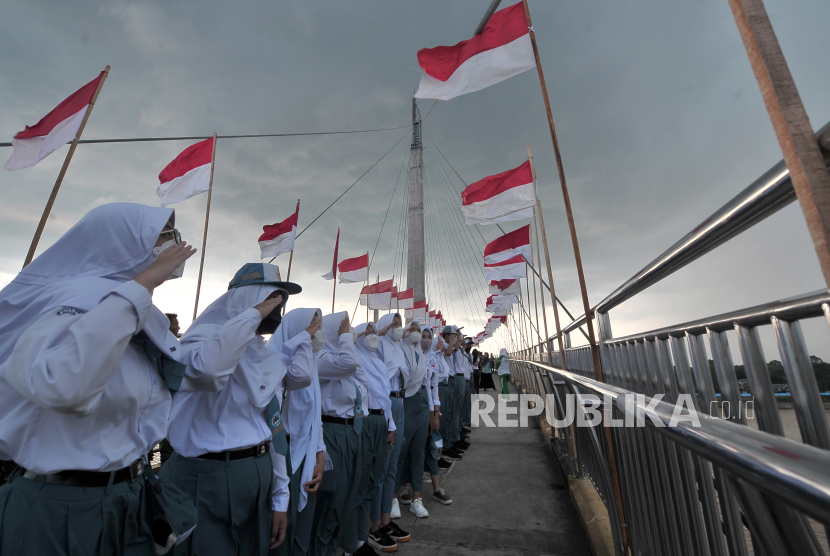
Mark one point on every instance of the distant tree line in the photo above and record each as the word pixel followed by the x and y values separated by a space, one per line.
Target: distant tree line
pixel 777 375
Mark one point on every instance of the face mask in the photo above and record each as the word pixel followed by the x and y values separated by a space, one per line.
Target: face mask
pixel 318 341
pixel 157 251
pixel 426 343
pixel 396 334
pixel 415 338
pixel 270 323
pixel 372 342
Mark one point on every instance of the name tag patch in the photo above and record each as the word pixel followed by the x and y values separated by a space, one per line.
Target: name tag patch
pixel 70 311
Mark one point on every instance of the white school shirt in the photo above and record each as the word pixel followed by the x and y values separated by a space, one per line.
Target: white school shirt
pixel 399 369
pixel 464 364
pixel 337 379
pixel 234 417
pixel 75 394
pixel 434 364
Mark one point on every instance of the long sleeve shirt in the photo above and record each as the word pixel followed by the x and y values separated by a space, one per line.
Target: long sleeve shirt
pixel 76 394
pixel 434 364
pixel 338 386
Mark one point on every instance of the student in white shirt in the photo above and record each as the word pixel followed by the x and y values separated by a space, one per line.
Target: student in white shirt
pixel 307 458
pixel 225 454
pixel 87 367
pixel 435 367
pixel 343 398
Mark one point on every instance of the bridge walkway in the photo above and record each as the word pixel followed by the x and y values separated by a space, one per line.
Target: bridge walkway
pixel 509 499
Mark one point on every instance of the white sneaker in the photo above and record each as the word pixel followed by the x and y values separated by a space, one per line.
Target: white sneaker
pixel 417 508
pixel 427 478
pixel 396 509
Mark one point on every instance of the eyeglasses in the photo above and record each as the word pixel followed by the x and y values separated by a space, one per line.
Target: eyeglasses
pixel 177 237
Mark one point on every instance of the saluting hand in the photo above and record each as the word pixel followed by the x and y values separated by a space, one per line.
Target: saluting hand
pixel 315 325
pixel 160 270
pixel 344 326
pixel 266 307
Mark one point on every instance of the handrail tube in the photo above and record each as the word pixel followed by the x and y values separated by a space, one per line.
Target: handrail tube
pixel 789 309
pixel 797 473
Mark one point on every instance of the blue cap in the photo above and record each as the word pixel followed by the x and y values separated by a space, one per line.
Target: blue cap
pixel 252 274
pixel 449 329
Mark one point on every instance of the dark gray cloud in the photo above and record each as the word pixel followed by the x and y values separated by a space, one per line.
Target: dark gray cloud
pixel 658 114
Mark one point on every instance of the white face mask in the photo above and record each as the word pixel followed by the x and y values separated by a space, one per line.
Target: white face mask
pixel 415 338
pixel 157 251
pixel 396 334
pixel 426 343
pixel 318 341
pixel 372 341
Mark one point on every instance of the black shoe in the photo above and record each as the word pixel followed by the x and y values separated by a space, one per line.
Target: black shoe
pixel 466 429
pixel 461 445
pixel 444 464
pixel 452 453
pixel 396 533
pixel 365 550
pixel 381 540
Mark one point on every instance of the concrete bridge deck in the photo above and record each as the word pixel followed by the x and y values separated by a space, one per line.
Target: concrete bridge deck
pixel 509 498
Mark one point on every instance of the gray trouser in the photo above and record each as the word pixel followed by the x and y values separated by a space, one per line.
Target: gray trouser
pixel 458 410
pixel 411 460
pixel 446 395
pixel 392 459
pixel 468 403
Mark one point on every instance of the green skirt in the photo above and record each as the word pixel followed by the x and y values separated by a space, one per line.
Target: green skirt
pixel 40 518
pixel 371 465
pixel 233 499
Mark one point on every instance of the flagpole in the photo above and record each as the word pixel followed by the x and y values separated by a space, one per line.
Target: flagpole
pixel 538 211
pixel 54 195
pixel 535 304
pixel 368 286
pixel 204 237
pixel 538 261
pixel 291 256
pixel 334 272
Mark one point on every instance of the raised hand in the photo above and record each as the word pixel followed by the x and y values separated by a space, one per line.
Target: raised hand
pixel 315 325
pixel 266 307
pixel 160 270
pixel 344 326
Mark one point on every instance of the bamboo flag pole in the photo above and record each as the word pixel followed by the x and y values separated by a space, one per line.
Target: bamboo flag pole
pixel 54 195
pixel 291 256
pixel 609 442
pixel 368 287
pixel 535 304
pixel 538 261
pixel 207 220
pixel 541 216
pixel 334 271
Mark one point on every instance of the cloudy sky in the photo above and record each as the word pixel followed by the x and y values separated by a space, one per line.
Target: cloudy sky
pixel 658 113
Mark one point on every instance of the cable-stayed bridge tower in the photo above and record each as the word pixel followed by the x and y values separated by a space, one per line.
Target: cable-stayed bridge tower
pixel 415 254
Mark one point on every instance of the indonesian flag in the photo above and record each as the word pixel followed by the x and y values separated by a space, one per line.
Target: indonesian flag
pixel 418 311
pixel 504 197
pixel 505 287
pixel 431 319
pixel 394 298
pixel 502 50
pixel 333 272
pixel 508 246
pixel 355 270
pixel 406 299
pixel 498 302
pixel 511 268
pixel 187 175
pixel 54 130
pixel 279 238
pixel 380 295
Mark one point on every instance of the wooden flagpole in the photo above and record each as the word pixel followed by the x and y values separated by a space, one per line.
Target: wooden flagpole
pixel 535 302
pixel 54 195
pixel 291 256
pixel 538 261
pixel 207 220
pixel 368 286
pixel 609 441
pixel 541 216
pixel 334 271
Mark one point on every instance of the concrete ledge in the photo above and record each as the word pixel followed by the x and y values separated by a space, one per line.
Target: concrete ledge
pixel 593 515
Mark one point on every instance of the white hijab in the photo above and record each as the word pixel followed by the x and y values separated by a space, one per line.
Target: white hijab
pixel 330 327
pixel 372 371
pixel 390 351
pixel 110 245
pixel 416 360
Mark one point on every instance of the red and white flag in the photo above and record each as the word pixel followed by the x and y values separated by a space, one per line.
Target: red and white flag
pixel 504 197
pixel 354 270
pixel 418 312
pixel 505 287
pixel 508 246
pixel 380 295
pixel 511 268
pixel 333 272
pixel 502 50
pixel 497 302
pixel 406 299
pixel 278 238
pixel 54 130
pixel 187 175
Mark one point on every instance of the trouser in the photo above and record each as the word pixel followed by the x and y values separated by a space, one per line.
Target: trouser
pixel 392 457
pixel 430 461
pixel 458 410
pixel 447 396
pixel 372 461
pixel 233 499
pixel 468 403
pixel 298 533
pixel 505 380
pixel 41 518
pixel 477 380
pixel 411 461
pixel 337 496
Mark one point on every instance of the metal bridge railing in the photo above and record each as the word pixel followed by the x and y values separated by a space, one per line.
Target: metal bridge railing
pixel 723 489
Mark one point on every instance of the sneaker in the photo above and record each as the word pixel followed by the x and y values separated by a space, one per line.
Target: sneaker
pixel 444 464
pixel 442 497
pixel 452 453
pixel 365 550
pixel 427 478
pixel 466 429
pixel 396 533
pixel 461 445
pixel 396 509
pixel 418 508
pixel 405 497
pixel 381 540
